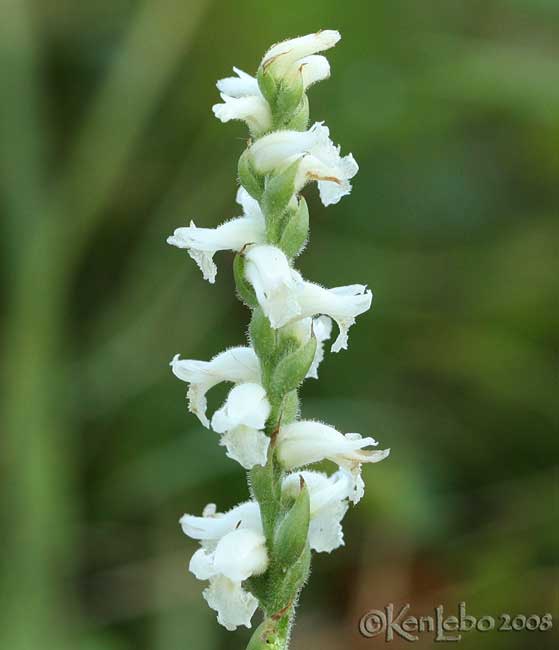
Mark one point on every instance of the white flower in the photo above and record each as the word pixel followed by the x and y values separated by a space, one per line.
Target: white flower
pixel 321 327
pixel 285 297
pixel 304 442
pixel 342 304
pixel 233 549
pixel 236 365
pixel 267 269
pixel 328 504
pixel 320 160
pixel 241 420
pixel 203 243
pixel 287 56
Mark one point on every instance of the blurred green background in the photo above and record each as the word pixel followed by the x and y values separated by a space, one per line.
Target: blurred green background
pixel 108 143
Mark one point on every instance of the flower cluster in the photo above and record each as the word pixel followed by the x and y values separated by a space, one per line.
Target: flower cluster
pixel 258 553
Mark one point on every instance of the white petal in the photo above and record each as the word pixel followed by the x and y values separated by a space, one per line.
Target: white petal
pixel 215 526
pixel 342 304
pixel 314 68
pixel 246 405
pixel 322 329
pixel 276 150
pixel 234 365
pixel 325 529
pixel 202 565
pixel 203 243
pixel 251 207
pixel 332 192
pixel 285 54
pixel 254 110
pixel 306 441
pixel 241 554
pixel 243 85
pixel 231 235
pixel 234 605
pixel 267 269
pixel 324 164
pixel 246 445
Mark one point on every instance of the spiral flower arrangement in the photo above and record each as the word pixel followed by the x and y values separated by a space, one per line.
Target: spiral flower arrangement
pixel 258 554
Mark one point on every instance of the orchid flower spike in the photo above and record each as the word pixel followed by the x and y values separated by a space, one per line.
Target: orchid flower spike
pixel 258 554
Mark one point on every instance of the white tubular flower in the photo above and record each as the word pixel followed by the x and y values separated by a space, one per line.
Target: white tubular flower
pixel 233 235
pixel 267 269
pixel 236 365
pixel 241 420
pixel 284 296
pixel 231 552
pixel 286 57
pixel 304 442
pixel 342 304
pixel 320 160
pixel 321 327
pixel 328 504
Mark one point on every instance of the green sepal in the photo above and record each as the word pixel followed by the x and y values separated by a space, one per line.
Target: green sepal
pixel 258 587
pixel 271 634
pixel 250 179
pixel 288 99
pixel 279 190
pixel 265 484
pixel 244 288
pixel 299 121
pixel 286 584
pixel 290 407
pixel 268 85
pixel 292 369
pixel 262 335
pixel 293 530
pixel 296 231
pixel 284 410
